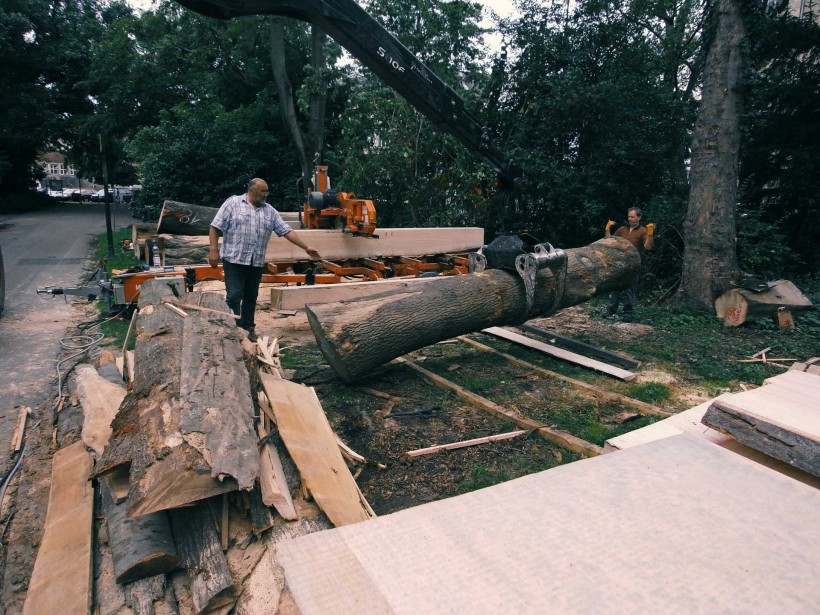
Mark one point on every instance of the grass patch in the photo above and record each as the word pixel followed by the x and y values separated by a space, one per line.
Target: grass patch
pixel 651 392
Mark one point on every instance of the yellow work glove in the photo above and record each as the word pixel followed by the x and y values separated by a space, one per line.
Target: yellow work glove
pixel 610 224
pixel 650 229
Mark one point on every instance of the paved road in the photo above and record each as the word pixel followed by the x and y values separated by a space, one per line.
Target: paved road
pixel 46 248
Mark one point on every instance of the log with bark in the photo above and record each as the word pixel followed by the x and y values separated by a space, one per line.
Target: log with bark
pixel 741 305
pixel 178 218
pixel 185 428
pixel 357 336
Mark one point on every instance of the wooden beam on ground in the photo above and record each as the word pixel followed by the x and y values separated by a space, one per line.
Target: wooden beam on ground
pixel 335 245
pixel 20 430
pixel 101 401
pixel 554 338
pixel 296 297
pixel 304 429
pixel 781 420
pixel 465 443
pixel 640 406
pixel 561 438
pixel 62 581
pixel 559 353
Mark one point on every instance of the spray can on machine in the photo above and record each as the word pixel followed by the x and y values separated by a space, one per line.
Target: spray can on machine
pixel 155 255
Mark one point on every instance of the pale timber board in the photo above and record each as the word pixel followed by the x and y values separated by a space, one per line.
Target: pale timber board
pixel 296 297
pixel 304 429
pixel 790 412
pixel 335 245
pixel 560 353
pixel 688 421
pixel 689 519
pixel 61 581
pixel 795 379
pixel 101 401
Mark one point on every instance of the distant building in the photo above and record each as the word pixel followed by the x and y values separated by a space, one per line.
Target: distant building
pixel 53 163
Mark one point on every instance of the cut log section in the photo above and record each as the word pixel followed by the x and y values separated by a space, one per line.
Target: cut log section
pixel 311 443
pixel 739 305
pixel 141 547
pixel 201 553
pixel 335 245
pixel 100 400
pixel 358 336
pixel 172 460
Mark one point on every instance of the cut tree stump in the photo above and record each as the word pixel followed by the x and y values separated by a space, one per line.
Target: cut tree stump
pixel 173 434
pixel 739 305
pixel 358 336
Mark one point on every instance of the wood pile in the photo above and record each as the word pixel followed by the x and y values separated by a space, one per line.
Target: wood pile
pixel 179 473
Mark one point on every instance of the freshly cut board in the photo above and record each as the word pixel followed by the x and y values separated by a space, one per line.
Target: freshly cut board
pixel 304 429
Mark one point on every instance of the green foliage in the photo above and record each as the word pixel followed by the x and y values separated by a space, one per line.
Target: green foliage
pixel 651 392
pixel 780 178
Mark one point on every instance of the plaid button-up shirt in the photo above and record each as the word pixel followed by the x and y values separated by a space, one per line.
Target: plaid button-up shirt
pixel 246 230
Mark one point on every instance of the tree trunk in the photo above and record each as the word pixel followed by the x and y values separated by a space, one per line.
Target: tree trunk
pixel 172 433
pixel 285 91
pixel 357 336
pixel 710 255
pixel 185 219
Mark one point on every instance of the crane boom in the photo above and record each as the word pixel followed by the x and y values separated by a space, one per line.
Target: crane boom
pixel 367 41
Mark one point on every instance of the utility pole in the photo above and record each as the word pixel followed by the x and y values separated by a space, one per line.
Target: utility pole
pixel 108 230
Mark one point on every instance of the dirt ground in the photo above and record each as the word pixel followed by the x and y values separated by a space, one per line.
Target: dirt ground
pixel 395 411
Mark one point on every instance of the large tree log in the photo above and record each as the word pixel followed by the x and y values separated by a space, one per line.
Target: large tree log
pixel 356 336
pixel 187 219
pixel 174 459
pixel 740 305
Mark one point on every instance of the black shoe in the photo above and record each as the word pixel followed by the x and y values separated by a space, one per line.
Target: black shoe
pixel 607 313
pixel 252 335
pixel 628 318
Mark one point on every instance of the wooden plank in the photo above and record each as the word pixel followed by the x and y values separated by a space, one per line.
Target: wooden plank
pixel 272 482
pixel 777 421
pixel 465 443
pixel 640 406
pixel 101 401
pixel 61 581
pixel 703 516
pixel 558 353
pixel 296 297
pixel 308 437
pixel 561 438
pixel 334 245
pixel 555 338
pixel 20 430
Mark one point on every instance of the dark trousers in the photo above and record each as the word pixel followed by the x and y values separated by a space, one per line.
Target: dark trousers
pixel 628 296
pixel 242 286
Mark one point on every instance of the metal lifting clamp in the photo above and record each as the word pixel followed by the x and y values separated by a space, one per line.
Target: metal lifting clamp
pixel 528 265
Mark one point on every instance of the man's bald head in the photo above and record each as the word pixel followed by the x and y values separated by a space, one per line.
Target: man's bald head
pixel 257 192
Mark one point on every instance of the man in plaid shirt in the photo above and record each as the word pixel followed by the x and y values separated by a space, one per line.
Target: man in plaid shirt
pixel 245 222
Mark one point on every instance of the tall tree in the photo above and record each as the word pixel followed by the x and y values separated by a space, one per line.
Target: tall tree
pixel 710 254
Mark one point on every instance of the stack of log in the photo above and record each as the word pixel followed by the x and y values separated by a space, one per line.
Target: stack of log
pixel 178 456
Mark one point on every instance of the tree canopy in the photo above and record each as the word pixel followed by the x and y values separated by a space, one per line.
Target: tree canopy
pixel 596 100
